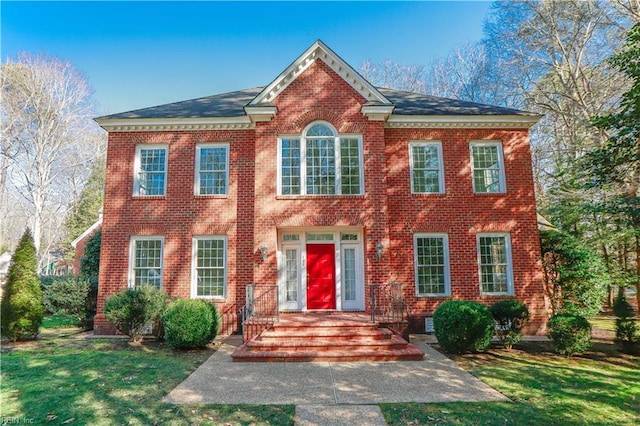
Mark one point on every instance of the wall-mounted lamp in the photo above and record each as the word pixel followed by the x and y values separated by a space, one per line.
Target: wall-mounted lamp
pixel 379 248
pixel 263 252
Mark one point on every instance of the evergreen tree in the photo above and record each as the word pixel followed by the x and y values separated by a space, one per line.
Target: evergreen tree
pixel 21 305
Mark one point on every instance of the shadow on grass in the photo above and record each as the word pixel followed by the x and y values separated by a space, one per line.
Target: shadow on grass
pixel 107 381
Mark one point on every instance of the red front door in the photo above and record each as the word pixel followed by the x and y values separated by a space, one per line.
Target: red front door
pixel 321 276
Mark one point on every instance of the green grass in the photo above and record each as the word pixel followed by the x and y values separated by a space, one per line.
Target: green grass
pixel 59 321
pixel 601 387
pixel 109 381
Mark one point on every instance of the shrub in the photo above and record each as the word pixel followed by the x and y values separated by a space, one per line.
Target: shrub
pixel 21 307
pixel 216 320
pixel 463 326
pixel 89 269
pixel 627 335
pixel 571 334
pixel 133 311
pixel 509 316
pixel 67 296
pixel 189 323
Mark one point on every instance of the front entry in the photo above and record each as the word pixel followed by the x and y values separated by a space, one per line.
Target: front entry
pixel 321 277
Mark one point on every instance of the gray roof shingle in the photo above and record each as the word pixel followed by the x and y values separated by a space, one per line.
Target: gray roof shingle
pixel 231 104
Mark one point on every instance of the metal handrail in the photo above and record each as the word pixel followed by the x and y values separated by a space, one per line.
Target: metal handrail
pixel 260 311
pixel 387 305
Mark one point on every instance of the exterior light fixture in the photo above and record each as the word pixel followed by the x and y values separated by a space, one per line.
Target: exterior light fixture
pixel 379 248
pixel 263 252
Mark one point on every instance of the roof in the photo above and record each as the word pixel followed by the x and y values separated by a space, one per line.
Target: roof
pixel 232 104
pixel 240 109
pixel 87 232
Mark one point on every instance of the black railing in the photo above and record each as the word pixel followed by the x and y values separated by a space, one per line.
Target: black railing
pixel 388 306
pixel 261 310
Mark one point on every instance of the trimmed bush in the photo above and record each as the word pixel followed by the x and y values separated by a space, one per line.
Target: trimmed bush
pixel 627 333
pixel 571 334
pixel 189 324
pixel 67 296
pixel 463 326
pixel 216 320
pixel 89 269
pixel 134 311
pixel 509 316
pixel 21 307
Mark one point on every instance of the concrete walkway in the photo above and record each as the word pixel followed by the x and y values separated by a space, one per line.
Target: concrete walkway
pixel 327 393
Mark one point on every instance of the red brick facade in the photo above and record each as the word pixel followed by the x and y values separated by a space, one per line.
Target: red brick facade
pixel 253 213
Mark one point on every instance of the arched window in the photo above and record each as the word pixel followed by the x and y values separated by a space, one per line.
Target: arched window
pixel 320 162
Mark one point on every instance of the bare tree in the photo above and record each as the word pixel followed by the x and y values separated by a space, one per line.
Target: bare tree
pixel 49 138
pixel 388 74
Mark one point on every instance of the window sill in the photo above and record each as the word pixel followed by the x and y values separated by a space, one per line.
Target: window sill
pixel 318 197
pixel 211 196
pixel 218 299
pixel 424 296
pixel 497 294
pixel 488 194
pixel 148 197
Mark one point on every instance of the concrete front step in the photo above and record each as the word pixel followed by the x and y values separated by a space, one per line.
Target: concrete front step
pixel 322 333
pixel 409 353
pixel 326 344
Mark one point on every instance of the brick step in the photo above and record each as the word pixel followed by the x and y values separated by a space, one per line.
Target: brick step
pixel 408 353
pixel 327 344
pixel 340 334
pixel 324 326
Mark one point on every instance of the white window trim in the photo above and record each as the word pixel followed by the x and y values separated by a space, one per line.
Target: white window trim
pixel 303 162
pixel 501 175
pixel 438 146
pixel 196 180
pixel 194 263
pixel 132 257
pixel 137 164
pixel 510 288
pixel 447 265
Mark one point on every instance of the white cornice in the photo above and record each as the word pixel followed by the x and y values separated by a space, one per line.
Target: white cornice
pixel 174 124
pixel 465 121
pixel 261 112
pixel 89 230
pixel 319 50
pixel 377 112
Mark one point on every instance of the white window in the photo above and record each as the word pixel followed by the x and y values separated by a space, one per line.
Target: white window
pixel 209 275
pixel 145 261
pixel 427 174
pixel 494 260
pixel 150 170
pixel 320 162
pixel 432 265
pixel 487 166
pixel 212 169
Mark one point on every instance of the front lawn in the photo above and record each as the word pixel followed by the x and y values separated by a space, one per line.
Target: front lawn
pixel 602 387
pixel 65 379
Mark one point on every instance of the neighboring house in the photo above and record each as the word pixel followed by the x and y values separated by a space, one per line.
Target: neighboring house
pixel 322 184
pixel 80 243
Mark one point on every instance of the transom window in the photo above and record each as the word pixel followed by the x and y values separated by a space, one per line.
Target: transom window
pixel 209 267
pixel 150 170
pixel 212 169
pixel 488 167
pixel 427 175
pixel 145 266
pixel 432 265
pixel 320 162
pixel 494 259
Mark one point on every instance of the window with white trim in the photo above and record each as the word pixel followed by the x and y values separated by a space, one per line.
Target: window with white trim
pixel 212 169
pixel 145 265
pixel 487 166
pixel 150 175
pixel 432 264
pixel 209 274
pixel 427 173
pixel 320 162
pixel 494 261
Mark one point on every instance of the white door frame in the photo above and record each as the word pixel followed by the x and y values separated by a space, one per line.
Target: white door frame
pixel 298 238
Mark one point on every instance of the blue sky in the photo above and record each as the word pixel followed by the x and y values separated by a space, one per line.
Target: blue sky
pixel 138 54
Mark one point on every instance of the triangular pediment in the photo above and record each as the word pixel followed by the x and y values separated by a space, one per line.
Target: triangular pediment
pixel 320 51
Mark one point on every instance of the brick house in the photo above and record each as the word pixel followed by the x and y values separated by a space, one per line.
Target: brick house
pixel 322 184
